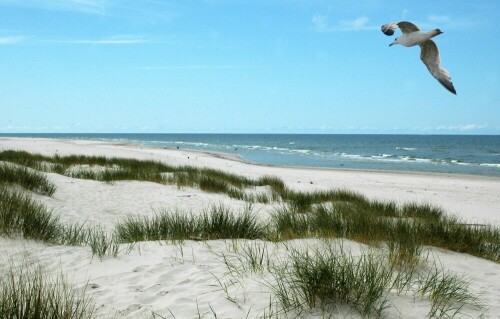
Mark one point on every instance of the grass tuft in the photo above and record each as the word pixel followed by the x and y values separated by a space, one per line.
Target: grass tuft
pixel 330 276
pixel 255 257
pixel 218 222
pixel 277 185
pixel 288 223
pixel 102 243
pixel 448 292
pixel 213 185
pixel 26 178
pixel 20 215
pixel 405 245
pixel 27 291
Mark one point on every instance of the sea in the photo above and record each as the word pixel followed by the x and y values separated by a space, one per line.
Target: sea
pixel 455 154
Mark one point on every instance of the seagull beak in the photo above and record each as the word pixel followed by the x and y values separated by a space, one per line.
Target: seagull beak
pixel 392 44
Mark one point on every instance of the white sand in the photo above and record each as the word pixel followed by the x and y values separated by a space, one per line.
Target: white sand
pixel 174 279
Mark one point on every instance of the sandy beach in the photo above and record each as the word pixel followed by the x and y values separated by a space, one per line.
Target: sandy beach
pixel 190 279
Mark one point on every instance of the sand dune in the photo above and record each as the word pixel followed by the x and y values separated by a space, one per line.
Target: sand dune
pixel 190 279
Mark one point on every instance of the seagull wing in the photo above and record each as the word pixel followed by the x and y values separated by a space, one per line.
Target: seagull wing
pixel 405 26
pixel 429 54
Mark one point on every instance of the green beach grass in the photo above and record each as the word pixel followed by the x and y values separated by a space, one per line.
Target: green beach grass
pixel 217 222
pixel 331 213
pixel 27 178
pixel 21 215
pixel 29 291
pixel 328 277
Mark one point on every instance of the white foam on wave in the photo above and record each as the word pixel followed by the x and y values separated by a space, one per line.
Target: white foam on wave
pixel 248 147
pixel 281 150
pixel 497 165
pixel 406 148
pixel 302 151
pixel 457 162
pixel 193 143
pixel 356 156
pixel 383 157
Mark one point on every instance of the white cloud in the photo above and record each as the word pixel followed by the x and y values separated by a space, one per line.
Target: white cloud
pixel 151 10
pixel 109 40
pixel 10 40
pixel 354 24
pixel 439 18
pixel 197 67
pixel 461 127
pixel 321 23
pixel 84 6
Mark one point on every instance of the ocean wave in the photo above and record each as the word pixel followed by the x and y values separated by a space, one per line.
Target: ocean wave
pixel 490 164
pixel 389 158
pixel 458 162
pixel 417 159
pixel 182 143
pixel 282 150
pixel 383 157
pixel 345 155
pixel 248 147
pixel 194 143
pixel 406 148
pixel 326 155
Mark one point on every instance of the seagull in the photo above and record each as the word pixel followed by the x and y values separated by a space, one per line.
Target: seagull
pixel 429 52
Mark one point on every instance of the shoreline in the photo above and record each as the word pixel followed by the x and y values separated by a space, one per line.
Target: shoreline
pixel 238 158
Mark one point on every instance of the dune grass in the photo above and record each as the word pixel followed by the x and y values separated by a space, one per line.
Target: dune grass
pixel 27 178
pixel 448 293
pixel 405 228
pixel 329 277
pixel 21 215
pixel 303 201
pixel 218 222
pixel 102 242
pixel 28 291
pixel 332 213
pixel 118 169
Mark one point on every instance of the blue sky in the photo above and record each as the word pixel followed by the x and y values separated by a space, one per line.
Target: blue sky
pixel 244 66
